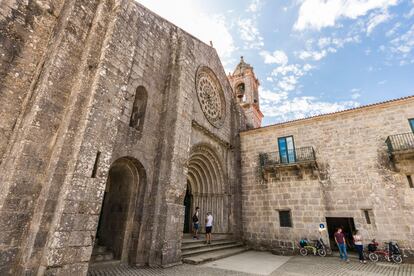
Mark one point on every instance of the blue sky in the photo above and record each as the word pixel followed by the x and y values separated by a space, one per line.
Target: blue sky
pixel 311 56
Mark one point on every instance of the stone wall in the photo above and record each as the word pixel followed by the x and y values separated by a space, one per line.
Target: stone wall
pixel 67 97
pixel 353 173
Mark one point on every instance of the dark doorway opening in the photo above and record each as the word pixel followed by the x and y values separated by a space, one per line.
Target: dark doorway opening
pixel 115 214
pixel 187 212
pixel 348 227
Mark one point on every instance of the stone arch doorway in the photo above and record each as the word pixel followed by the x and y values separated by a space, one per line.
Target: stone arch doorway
pixel 118 221
pixel 207 187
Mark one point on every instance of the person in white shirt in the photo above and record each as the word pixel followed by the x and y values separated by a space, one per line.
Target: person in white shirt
pixel 209 227
pixel 358 242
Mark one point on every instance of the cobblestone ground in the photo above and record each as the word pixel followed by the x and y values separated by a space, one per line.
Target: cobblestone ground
pixel 296 266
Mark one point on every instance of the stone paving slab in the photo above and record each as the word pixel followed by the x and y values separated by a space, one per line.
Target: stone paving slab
pixel 252 262
pixel 295 266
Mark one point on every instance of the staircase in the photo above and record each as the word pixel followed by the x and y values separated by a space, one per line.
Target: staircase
pixel 198 252
pixel 102 256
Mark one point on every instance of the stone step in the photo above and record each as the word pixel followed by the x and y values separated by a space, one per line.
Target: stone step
pixel 199 244
pixel 215 235
pixel 214 255
pixel 209 248
pixel 104 256
pixel 100 264
pixel 98 249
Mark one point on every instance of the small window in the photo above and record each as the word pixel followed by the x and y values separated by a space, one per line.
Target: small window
pixel 411 121
pixel 410 181
pixel 367 216
pixel 139 108
pixel 96 164
pixel 285 218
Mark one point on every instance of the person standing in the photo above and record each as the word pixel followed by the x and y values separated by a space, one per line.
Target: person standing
pixel 209 227
pixel 341 243
pixel 196 223
pixel 359 246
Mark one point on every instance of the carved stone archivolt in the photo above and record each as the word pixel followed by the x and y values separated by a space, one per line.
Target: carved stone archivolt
pixel 210 96
pixel 207 186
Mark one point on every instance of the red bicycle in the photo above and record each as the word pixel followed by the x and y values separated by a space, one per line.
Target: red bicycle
pixel 391 252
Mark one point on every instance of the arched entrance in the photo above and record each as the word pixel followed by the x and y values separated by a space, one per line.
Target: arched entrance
pixel 207 189
pixel 116 222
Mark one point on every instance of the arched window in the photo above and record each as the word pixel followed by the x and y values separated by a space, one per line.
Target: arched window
pixel 138 110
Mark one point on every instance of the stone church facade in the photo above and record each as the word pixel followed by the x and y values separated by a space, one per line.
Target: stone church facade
pixel 110 117
pixel 115 124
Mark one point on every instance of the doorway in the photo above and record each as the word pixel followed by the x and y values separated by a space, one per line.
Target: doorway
pixel 116 217
pixel 348 227
pixel 187 212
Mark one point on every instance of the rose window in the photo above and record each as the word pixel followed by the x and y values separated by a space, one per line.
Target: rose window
pixel 210 96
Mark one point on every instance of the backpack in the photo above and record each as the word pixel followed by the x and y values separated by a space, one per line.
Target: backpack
pixel 303 243
pixel 195 218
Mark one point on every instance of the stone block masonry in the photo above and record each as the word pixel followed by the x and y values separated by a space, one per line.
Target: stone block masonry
pixel 354 176
pixel 115 124
pixel 76 173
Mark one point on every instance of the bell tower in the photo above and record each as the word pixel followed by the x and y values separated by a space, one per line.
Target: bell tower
pixel 246 92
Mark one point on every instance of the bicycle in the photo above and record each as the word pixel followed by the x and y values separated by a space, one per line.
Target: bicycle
pixel 318 248
pixel 391 252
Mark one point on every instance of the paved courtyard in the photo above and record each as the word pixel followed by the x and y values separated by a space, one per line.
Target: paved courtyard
pixel 262 263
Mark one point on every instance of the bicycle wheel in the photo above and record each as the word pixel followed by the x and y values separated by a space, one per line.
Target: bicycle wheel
pixel 373 257
pixel 396 259
pixel 321 252
pixel 303 252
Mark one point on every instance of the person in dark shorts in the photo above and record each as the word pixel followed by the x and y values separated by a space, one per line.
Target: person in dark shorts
pixel 209 227
pixel 196 223
pixel 359 246
pixel 341 242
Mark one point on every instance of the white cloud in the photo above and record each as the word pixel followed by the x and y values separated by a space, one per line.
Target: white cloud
pixel 269 97
pixel 318 14
pixel 277 57
pixel 393 30
pixel 325 46
pixel 286 69
pixel 313 55
pixel 377 19
pixel 404 43
pixel 355 93
pixel 307 67
pixel 254 6
pixel 191 18
pixel 411 12
pixel 301 107
pixel 288 83
pixel 249 33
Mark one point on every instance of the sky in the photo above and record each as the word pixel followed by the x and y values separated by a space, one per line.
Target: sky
pixel 310 56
